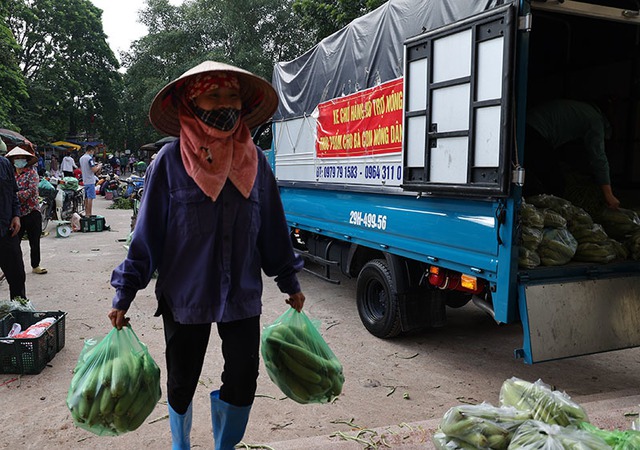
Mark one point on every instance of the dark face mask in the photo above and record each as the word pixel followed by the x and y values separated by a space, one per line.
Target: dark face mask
pixel 222 119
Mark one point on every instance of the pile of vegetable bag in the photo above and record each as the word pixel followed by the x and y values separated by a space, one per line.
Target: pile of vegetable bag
pixel 555 232
pixel 531 416
pixel 115 386
pixel 299 361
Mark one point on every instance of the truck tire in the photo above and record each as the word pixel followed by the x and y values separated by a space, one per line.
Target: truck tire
pixel 377 299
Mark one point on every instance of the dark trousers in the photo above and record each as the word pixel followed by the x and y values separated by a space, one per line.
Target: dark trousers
pixel 186 346
pixel 66 173
pixel 32 226
pixel 12 265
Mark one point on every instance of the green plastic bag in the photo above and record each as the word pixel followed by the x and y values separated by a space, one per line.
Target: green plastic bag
pixel 299 361
pixel 115 386
pixel 535 435
pixel 618 440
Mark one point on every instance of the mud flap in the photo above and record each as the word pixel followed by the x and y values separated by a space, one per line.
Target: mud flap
pixel 422 310
pixel 579 318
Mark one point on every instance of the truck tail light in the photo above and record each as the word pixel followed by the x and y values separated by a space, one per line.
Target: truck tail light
pixel 469 282
pixel 451 280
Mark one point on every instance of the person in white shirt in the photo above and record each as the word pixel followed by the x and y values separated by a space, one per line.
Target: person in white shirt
pixel 67 165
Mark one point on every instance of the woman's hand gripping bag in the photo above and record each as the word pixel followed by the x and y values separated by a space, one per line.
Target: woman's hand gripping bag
pixel 115 384
pixel 299 361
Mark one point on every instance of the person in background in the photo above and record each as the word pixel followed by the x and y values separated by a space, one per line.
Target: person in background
pixel 54 166
pixel 124 162
pixel 132 161
pixel 216 185
pixel 89 169
pixel 41 168
pixel 11 262
pixel 30 216
pixel 554 124
pixel 67 165
pixel 115 163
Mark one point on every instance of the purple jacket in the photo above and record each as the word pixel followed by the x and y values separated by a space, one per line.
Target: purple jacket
pixel 209 255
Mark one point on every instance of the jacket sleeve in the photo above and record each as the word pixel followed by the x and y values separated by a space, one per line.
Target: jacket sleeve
pixel 147 242
pixel 274 242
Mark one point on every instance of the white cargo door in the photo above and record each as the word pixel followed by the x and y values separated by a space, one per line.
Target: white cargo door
pixel 457 110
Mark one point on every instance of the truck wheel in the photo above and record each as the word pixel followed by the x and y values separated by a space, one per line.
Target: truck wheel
pixel 377 299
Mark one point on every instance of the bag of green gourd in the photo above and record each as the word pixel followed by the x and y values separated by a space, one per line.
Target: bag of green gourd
pixel 115 386
pixel 299 361
pixel 536 435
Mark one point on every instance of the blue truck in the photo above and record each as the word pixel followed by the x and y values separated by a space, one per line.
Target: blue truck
pixel 399 148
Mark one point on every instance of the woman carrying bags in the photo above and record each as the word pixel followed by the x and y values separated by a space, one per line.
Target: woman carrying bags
pixel 27 179
pixel 210 223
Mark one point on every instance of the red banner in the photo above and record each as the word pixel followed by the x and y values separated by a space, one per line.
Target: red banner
pixel 366 123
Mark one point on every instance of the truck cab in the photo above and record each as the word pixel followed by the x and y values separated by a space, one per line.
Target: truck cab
pixel 400 150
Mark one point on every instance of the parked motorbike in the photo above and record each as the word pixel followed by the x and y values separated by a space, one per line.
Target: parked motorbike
pixel 136 198
pixel 130 186
pixel 69 199
pixel 47 208
pixel 108 183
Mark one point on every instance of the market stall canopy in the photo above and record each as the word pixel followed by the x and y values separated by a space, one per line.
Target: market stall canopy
pixel 52 147
pixel 67 145
pixel 157 145
pixel 165 140
pixel 15 139
pixel 149 147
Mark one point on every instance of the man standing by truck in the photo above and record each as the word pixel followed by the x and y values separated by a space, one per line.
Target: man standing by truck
pixel 555 123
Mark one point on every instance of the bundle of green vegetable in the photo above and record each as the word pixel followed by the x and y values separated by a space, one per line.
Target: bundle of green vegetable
pixel 115 386
pixel 299 361
pixel 15 304
pixel 532 416
pixel 480 426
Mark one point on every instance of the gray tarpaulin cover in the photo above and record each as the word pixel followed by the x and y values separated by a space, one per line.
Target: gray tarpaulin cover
pixel 366 52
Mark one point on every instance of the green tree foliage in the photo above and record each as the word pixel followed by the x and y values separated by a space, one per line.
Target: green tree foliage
pixel 64 79
pixel 252 34
pixel 325 17
pixel 14 89
pixel 71 73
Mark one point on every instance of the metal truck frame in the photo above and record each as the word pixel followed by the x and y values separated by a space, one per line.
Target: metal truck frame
pixel 400 155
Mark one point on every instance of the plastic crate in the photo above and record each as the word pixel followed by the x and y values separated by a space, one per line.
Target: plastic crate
pixel 92 223
pixel 30 355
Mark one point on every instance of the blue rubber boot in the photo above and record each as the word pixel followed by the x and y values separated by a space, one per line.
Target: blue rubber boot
pixel 228 421
pixel 180 429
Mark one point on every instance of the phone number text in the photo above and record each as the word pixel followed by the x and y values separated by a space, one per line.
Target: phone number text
pixel 369 172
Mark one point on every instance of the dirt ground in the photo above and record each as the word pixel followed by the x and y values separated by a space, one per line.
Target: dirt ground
pixel 395 391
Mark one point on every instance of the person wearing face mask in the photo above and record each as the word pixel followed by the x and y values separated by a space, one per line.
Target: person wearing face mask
pixel 30 217
pixel 11 263
pixel 211 221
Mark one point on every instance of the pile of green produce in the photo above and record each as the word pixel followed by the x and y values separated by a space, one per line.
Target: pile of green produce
pixel 115 386
pixel 555 232
pixel 531 416
pixel 121 203
pixel 15 304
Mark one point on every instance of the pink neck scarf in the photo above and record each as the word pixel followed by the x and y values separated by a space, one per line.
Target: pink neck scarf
pixel 210 156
